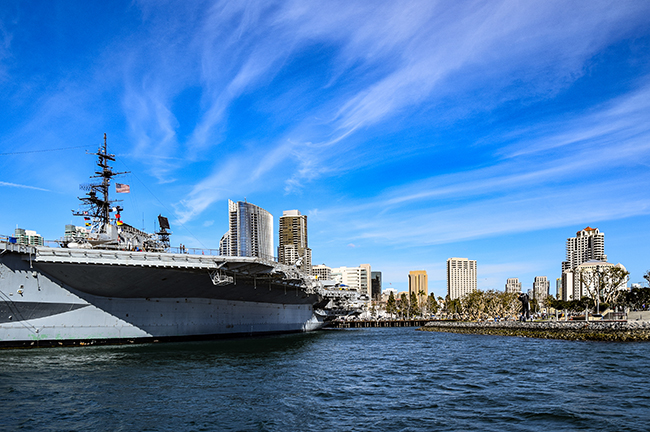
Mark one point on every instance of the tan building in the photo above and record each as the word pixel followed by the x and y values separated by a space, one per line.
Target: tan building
pixel 322 272
pixel 418 284
pixel 293 247
pixel 461 277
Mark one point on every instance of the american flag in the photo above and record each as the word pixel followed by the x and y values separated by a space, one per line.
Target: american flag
pixel 122 188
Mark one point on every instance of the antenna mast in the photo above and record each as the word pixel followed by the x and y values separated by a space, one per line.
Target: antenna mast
pixel 97 199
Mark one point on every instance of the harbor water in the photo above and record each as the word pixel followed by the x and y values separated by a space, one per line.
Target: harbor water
pixel 375 379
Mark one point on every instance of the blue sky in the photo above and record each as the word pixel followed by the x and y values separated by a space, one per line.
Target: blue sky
pixel 409 132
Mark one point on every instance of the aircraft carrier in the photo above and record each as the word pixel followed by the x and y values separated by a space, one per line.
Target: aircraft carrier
pixel 113 283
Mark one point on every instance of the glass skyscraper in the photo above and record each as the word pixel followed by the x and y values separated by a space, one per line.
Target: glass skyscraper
pixel 250 231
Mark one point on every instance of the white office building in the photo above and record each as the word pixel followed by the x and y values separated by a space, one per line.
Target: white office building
pixel 541 287
pixel 513 285
pixel 587 245
pixel 357 278
pixel 461 277
pixel 584 287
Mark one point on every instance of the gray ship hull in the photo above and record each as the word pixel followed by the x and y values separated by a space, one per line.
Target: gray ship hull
pixel 52 296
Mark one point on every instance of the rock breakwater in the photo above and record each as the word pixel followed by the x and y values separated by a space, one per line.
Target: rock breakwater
pixel 614 331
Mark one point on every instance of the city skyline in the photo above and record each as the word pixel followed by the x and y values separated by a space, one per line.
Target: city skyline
pixel 406 132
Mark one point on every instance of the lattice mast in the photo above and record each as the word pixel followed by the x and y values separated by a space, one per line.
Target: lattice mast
pixel 97 199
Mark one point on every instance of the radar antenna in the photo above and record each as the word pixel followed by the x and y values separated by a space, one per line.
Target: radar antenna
pixel 96 201
pixel 163 234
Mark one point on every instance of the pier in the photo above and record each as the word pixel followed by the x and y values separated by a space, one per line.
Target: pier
pixel 378 323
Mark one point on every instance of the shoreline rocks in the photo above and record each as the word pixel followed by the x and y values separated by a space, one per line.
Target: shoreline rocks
pixel 611 331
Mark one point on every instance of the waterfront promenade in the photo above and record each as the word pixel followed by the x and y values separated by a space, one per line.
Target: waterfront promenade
pixel 619 331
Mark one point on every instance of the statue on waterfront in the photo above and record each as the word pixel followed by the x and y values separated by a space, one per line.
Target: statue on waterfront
pixel 525 306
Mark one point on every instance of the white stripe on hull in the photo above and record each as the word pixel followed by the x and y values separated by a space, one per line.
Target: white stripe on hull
pixel 140 318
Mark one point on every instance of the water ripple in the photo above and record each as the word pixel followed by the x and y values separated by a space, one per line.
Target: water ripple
pixel 358 380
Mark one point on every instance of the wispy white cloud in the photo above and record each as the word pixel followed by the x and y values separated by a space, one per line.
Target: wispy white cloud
pixel 382 60
pixel 516 213
pixel 219 186
pixel 153 128
pixel 386 59
pixel 491 46
pixel 617 122
pixel 231 179
pixel 14 185
pixel 602 176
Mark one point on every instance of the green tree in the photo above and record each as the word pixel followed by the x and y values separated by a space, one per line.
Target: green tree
pixel 432 304
pixel 510 304
pixel 637 297
pixel 453 306
pixel 473 304
pixel 414 310
pixel 553 303
pixel 403 305
pixel 391 305
pixel 422 302
pixel 602 284
pixel 484 305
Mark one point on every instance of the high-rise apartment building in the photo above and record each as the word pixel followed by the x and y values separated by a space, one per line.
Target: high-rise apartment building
pixel 293 246
pixel 513 285
pixel 375 282
pixel 250 231
pixel 461 277
pixel 368 282
pixel 541 287
pixel 587 245
pixel 419 285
